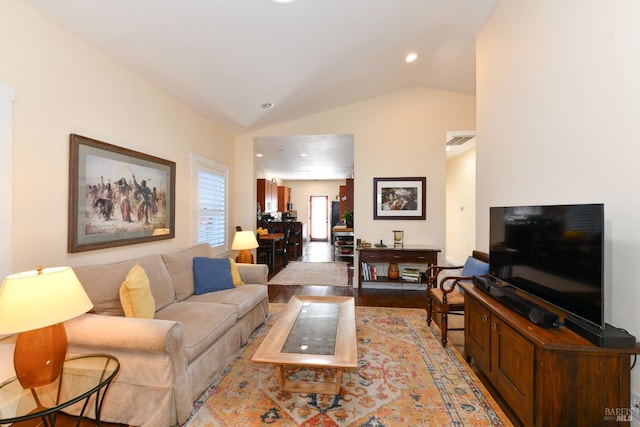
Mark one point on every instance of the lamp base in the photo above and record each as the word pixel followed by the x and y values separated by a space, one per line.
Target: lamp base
pixel 39 355
pixel 245 257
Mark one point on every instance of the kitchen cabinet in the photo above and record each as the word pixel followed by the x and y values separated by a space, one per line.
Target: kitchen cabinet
pixel 267 195
pixel 346 197
pixel 284 198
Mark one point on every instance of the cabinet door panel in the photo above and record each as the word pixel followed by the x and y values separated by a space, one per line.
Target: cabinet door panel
pixel 284 198
pixel 512 362
pixel 478 334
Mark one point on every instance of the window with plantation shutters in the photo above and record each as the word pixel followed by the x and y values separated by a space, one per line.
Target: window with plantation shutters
pixel 210 202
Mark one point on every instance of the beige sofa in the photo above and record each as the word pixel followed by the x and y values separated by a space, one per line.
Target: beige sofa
pixel 168 361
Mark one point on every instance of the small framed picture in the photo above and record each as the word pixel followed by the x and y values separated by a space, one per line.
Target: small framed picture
pixel 118 196
pixel 400 198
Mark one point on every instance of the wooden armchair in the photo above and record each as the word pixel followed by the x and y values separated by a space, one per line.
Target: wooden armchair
pixel 445 297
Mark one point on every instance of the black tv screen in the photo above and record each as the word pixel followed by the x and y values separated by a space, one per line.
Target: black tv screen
pixel 552 252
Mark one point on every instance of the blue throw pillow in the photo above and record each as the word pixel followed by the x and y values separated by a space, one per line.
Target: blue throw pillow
pixel 211 274
pixel 475 267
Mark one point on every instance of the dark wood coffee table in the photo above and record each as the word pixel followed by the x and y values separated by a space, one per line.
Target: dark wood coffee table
pixel 312 332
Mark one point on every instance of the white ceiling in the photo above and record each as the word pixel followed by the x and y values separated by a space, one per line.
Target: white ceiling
pixel 306 157
pixel 225 58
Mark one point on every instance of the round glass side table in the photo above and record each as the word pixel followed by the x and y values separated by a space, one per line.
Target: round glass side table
pixel 82 377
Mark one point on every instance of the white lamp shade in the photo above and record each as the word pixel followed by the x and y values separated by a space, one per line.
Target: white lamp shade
pixel 39 298
pixel 244 240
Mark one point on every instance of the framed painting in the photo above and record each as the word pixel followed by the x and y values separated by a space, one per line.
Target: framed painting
pixel 400 198
pixel 118 196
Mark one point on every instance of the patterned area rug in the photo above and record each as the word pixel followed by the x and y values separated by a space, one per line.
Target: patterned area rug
pixel 404 378
pixel 313 273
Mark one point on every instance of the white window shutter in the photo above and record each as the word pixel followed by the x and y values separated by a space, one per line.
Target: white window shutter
pixel 211 196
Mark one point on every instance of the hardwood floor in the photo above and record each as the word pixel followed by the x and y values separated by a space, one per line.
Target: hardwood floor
pixel 323 252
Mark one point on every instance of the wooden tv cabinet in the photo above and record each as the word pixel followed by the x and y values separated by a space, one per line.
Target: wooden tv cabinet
pixel 548 377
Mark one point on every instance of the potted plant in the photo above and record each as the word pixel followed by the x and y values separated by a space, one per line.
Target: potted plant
pixel 348 218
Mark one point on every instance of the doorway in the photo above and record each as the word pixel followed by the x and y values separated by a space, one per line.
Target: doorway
pixel 319 218
pixel 460 206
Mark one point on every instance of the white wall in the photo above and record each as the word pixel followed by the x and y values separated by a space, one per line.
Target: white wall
pixel 461 206
pixel 7 95
pixel 400 134
pixel 62 86
pixel 558 99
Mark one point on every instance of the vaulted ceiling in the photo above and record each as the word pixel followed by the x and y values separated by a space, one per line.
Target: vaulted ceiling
pixel 228 58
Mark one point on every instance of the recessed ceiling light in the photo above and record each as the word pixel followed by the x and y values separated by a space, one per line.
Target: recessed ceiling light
pixel 281 1
pixel 303 155
pixel 259 155
pixel 267 105
pixel 411 57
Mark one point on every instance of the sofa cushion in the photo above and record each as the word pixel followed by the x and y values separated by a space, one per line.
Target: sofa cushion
pixel 180 268
pixel 235 273
pixel 211 274
pixel 241 298
pixel 135 294
pixel 203 323
pixel 102 283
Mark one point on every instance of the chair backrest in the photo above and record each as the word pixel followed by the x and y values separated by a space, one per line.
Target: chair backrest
pixel 482 256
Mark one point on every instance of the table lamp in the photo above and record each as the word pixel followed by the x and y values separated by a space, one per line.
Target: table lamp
pixel 34 304
pixel 243 241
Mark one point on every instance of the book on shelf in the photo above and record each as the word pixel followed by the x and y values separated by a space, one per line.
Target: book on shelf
pixel 366 272
pixel 411 274
pixel 369 272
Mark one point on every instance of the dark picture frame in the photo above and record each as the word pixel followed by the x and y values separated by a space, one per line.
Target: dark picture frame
pixel 117 196
pixel 400 198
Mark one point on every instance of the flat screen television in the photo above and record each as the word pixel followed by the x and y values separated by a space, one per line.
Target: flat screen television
pixel 555 253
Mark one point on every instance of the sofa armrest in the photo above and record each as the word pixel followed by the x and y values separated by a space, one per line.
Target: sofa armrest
pixel 254 274
pixel 95 333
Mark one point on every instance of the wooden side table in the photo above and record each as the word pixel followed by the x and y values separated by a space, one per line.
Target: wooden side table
pixel 409 255
pixel 81 378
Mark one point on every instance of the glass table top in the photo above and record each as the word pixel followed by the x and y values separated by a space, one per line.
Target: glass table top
pixel 81 377
pixel 314 330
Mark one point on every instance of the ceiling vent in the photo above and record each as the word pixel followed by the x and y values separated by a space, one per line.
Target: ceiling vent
pixel 456 139
pixel 460 141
